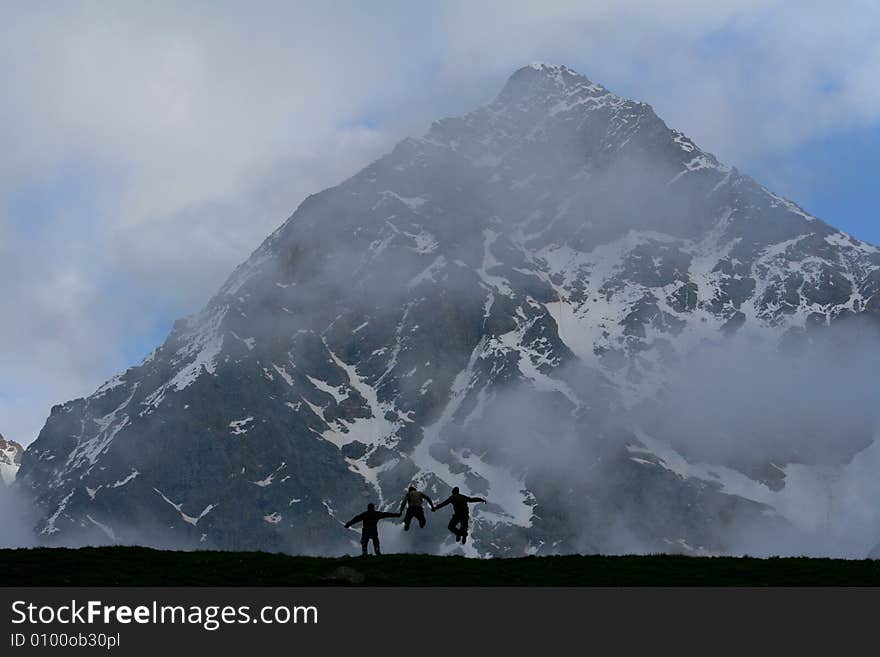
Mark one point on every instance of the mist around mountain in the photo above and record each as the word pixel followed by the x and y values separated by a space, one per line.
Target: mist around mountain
pixel 556 302
pixel 16 513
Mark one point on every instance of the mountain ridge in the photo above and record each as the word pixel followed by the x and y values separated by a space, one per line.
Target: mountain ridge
pixel 560 247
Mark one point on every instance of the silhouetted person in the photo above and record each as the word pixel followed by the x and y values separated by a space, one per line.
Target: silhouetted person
pixel 414 503
pixel 461 514
pixel 370 519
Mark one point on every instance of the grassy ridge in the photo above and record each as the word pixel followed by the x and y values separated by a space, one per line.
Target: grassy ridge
pixel 133 566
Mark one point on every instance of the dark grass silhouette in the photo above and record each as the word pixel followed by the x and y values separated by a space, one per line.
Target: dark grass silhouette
pixel 135 566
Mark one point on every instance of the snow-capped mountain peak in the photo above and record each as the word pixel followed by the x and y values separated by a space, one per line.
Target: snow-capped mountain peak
pixel 495 305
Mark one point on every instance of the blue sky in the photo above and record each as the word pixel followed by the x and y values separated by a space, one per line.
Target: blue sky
pixel 145 150
pixel 834 178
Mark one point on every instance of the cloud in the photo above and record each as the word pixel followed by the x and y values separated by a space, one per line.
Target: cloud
pixel 16 529
pixel 163 142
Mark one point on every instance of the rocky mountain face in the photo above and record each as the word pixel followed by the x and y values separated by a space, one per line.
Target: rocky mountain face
pixel 10 459
pixel 495 305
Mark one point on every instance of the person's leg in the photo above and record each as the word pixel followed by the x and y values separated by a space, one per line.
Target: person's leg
pixel 407 519
pixel 364 540
pixel 454 527
pixel 420 516
pixel 463 532
pixel 370 536
pixel 376 549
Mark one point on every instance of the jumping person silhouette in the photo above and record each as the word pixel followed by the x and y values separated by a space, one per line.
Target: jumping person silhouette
pixel 370 519
pixel 413 501
pixel 458 525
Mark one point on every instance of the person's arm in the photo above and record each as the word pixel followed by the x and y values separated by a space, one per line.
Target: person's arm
pixel 429 501
pixel 477 499
pixel 354 520
pixel 403 504
pixel 389 514
pixel 443 503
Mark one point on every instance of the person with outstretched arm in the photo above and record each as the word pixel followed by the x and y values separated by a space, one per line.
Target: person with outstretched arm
pixel 370 526
pixel 458 525
pixel 413 501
